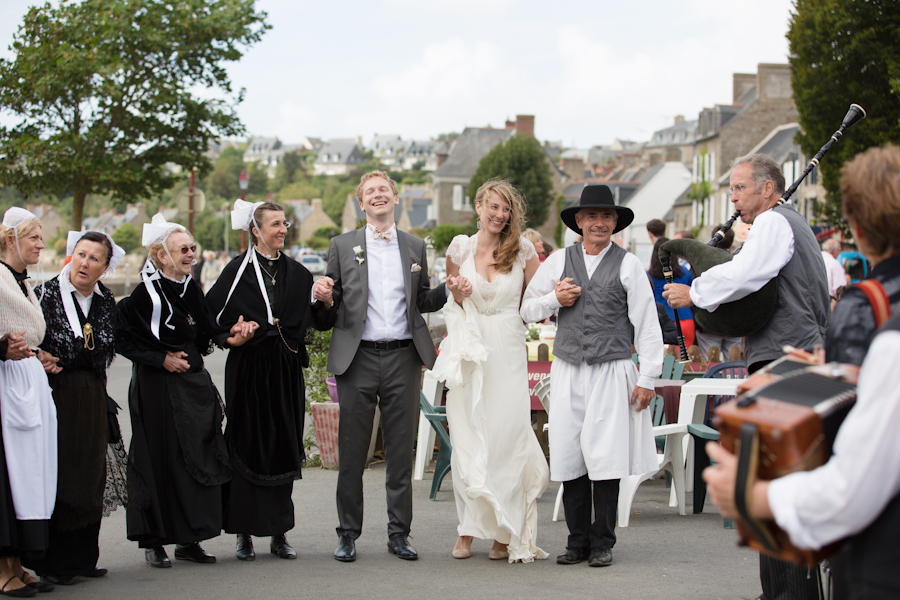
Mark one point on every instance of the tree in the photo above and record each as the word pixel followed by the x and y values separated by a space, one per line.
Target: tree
pixel 444 234
pixel 522 161
pixel 223 181
pixel 843 52
pixel 102 93
pixel 289 169
pixel 127 236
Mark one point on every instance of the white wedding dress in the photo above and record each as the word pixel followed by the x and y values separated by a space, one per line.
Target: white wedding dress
pixel 498 468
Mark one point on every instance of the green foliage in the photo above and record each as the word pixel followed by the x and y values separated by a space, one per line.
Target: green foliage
pixel 101 93
pixel 843 52
pixel 223 181
pixel 210 228
pixel 127 236
pixel 446 136
pixel 326 232
pixel 560 233
pixel 522 161
pixel 289 169
pixel 700 191
pixel 317 344
pixel 257 186
pixel 444 234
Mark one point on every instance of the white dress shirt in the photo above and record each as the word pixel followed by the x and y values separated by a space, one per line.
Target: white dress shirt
pixel 386 318
pixel 844 496
pixel 540 302
pixel 767 250
pixel 834 272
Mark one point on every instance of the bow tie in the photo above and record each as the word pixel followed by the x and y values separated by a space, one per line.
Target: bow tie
pixel 377 233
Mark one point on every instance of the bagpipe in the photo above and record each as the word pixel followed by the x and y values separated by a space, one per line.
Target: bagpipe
pixel 749 314
pixel 784 420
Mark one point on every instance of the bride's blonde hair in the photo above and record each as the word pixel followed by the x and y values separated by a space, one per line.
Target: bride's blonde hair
pixel 508 250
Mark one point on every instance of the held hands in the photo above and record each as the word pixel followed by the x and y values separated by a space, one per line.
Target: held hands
pixel 460 287
pixel 175 362
pixel 241 332
pixel 48 361
pixel 678 295
pixel 642 396
pixel 322 290
pixel 17 348
pixel 567 292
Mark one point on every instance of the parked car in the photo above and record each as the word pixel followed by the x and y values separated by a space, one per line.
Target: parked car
pixel 313 263
pixel 855 265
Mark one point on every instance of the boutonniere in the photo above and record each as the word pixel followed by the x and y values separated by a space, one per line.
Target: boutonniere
pixel 415 268
pixel 358 254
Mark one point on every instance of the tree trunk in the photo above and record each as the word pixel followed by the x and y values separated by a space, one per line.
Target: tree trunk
pixel 78 209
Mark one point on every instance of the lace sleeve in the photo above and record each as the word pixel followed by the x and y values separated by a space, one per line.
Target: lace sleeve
pixel 526 251
pixel 457 252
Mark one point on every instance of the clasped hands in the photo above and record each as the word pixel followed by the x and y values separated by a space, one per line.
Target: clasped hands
pixel 241 332
pixel 17 349
pixel 322 290
pixel 460 287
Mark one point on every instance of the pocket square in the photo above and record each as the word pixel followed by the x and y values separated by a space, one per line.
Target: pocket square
pixel 415 268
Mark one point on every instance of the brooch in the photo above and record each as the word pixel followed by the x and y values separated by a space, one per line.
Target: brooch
pixel 358 254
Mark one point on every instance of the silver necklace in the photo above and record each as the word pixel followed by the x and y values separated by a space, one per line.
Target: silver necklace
pixel 272 277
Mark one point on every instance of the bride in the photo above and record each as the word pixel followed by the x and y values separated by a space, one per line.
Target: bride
pixel 499 470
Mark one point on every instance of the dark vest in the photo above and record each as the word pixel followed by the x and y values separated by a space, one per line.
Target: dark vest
pixel 801 314
pixel 596 328
pixel 868 562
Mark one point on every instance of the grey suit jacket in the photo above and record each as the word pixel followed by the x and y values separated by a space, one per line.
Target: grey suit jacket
pixel 351 297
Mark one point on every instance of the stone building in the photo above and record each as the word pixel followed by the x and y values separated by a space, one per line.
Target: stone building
pixel 308 217
pixel 672 144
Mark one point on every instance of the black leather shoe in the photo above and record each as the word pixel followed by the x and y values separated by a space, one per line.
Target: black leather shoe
pixel 97 572
pixel 572 556
pixel 400 546
pixel 193 552
pixel 157 557
pixel 244 547
pixel 600 558
pixel 40 586
pixel 280 547
pixel 346 549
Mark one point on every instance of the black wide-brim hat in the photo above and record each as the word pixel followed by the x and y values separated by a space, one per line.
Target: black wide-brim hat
pixel 597 196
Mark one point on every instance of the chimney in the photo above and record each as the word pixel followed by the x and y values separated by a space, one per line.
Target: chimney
pixel 679 119
pixel 742 82
pixel 524 125
pixel 317 205
pixel 510 125
pixel 573 167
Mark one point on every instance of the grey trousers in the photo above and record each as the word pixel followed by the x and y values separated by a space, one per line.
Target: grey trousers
pixel 391 379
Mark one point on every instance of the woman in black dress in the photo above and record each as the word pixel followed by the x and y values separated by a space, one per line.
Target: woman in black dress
pixel 80 313
pixel 264 390
pixel 177 461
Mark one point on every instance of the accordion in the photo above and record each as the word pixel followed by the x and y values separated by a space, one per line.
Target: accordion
pixel 785 420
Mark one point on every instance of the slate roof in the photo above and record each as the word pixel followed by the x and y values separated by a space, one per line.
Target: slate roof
pixel 677 135
pixel 342 152
pixel 471 146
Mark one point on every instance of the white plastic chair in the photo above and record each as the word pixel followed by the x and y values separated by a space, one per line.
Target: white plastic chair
pixel 542 391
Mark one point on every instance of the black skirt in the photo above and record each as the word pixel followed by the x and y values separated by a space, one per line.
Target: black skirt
pixel 176 464
pixel 266 406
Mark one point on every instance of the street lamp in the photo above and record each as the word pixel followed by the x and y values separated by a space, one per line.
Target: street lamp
pixel 244 182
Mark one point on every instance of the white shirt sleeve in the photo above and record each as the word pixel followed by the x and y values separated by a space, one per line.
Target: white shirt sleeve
pixel 540 299
pixel 642 313
pixel 844 496
pixel 768 248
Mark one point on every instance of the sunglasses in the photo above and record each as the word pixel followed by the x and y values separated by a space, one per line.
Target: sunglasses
pixel 185 249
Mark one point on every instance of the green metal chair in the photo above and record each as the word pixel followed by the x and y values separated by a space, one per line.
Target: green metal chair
pixel 436 415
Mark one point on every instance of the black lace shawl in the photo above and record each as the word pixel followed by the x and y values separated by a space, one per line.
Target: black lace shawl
pixel 62 343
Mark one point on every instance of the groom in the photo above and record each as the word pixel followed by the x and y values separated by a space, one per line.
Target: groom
pixel 373 293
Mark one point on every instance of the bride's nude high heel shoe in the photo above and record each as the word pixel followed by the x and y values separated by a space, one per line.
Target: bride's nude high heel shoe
pixel 499 551
pixel 461 551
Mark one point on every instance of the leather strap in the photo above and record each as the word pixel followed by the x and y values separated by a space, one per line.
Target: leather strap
pixel 748 454
pixel 878 298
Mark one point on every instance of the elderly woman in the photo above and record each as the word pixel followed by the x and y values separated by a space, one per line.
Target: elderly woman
pixel 80 343
pixel 177 461
pixel 264 388
pixel 28 416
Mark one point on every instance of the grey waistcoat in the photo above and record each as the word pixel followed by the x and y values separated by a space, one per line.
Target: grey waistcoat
pixel 801 313
pixel 596 328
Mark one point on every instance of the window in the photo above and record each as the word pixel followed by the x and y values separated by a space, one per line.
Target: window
pixel 457 197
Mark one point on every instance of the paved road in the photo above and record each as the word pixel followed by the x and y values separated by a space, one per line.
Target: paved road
pixel 661 555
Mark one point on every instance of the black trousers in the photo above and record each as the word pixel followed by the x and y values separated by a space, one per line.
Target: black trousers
pixel 390 379
pixel 577 499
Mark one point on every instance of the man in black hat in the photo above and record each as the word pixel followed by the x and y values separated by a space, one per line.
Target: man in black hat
pixel 599 431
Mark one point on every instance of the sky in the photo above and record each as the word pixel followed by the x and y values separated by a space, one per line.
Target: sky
pixel 590 71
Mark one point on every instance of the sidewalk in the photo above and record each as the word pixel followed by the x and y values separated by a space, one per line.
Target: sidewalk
pixel 660 555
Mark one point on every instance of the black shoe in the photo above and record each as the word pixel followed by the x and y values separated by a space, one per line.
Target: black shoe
pixel 157 557
pixel 23 592
pixel 346 549
pixel 279 546
pixel 600 558
pixel 572 556
pixel 97 572
pixel 400 546
pixel 193 552
pixel 41 586
pixel 244 547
